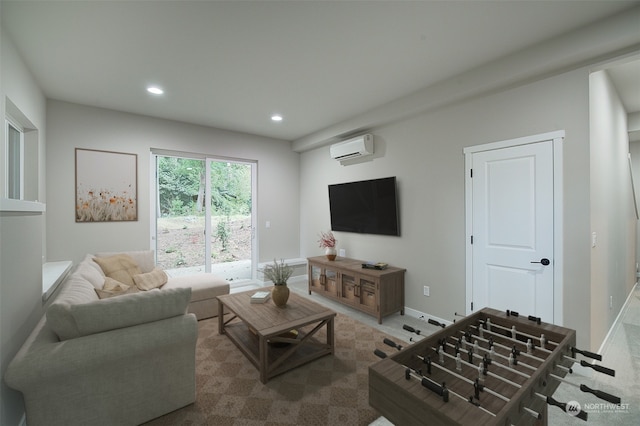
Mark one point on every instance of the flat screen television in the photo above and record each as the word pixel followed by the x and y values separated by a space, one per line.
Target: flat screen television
pixel 366 207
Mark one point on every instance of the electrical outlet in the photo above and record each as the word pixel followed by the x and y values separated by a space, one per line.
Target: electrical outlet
pixel 426 290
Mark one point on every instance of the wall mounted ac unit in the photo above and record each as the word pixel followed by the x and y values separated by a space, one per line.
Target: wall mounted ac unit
pixel 357 147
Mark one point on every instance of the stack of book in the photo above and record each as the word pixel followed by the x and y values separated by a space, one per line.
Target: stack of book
pixel 375 265
pixel 260 296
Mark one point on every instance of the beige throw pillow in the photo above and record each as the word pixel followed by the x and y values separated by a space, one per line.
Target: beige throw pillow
pixel 120 267
pixel 154 279
pixel 113 288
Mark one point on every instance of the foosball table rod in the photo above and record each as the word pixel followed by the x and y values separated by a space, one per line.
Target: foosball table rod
pixel 515 341
pixel 412 330
pixel 490 361
pixel 584 388
pixel 464 379
pixel 499 364
pixel 449 391
pixel 598 368
pixel 479 387
pixel 562 405
pixel 482 370
pixel 430 384
pixel 514 332
pixel 573 349
pixel 516 352
pixel 442 390
pixel 433 322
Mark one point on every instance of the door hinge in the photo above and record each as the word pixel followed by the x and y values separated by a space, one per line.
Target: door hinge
pixel 471 173
pixel 472 239
pixel 471 306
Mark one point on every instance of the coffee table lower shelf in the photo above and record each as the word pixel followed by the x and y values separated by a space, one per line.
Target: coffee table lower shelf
pixel 278 359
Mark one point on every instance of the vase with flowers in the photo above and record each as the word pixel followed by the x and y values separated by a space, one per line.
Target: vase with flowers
pixel 328 242
pixel 279 274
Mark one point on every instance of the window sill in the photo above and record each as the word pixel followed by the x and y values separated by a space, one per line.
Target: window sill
pixel 11 205
pixel 53 273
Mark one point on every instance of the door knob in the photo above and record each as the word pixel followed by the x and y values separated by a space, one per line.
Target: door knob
pixel 544 261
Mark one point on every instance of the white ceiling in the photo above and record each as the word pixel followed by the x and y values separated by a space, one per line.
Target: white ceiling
pixel 232 64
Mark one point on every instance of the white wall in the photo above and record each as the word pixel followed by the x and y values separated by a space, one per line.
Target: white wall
pixel 613 216
pixel 634 150
pixel 73 126
pixel 425 153
pixel 21 235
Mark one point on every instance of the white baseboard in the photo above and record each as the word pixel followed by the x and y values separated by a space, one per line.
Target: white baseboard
pixel 588 372
pixel 624 306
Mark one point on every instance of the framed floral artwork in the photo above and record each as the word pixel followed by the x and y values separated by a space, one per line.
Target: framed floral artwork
pixel 106 186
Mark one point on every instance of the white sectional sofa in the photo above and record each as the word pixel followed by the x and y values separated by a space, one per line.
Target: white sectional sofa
pixel 204 287
pixel 120 360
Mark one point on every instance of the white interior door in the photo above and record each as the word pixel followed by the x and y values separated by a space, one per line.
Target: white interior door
pixel 513 229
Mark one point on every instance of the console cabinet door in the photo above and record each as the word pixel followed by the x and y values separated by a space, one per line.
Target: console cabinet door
pixel 323 280
pixel 348 287
pixel 331 281
pixel 368 294
pixel 359 291
pixel 315 278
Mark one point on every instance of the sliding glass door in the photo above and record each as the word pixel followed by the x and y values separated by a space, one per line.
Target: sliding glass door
pixel 205 216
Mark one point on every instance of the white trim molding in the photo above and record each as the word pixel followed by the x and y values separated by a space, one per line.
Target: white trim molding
pixel 21 206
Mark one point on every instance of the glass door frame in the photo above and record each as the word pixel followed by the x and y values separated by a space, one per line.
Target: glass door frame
pixel 208 159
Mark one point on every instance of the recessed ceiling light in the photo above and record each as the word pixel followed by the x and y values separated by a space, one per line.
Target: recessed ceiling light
pixel 276 117
pixel 155 90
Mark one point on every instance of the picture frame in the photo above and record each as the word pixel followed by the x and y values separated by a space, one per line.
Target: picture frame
pixel 106 186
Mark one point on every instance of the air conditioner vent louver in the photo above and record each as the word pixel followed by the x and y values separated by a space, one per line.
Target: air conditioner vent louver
pixel 360 146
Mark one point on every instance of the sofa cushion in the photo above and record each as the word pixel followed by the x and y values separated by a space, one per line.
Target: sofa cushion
pixel 76 320
pixel 75 289
pixel 114 288
pixel 203 286
pixel 120 267
pixel 91 271
pixel 154 279
pixel 145 259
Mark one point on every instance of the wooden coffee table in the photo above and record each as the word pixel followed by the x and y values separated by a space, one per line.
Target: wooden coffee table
pixel 258 329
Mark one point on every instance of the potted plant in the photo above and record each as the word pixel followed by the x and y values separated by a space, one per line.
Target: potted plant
pixel 328 242
pixel 279 274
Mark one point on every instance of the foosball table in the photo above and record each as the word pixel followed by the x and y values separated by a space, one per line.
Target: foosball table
pixel 490 368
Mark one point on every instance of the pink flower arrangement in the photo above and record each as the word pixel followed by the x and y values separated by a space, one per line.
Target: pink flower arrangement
pixel 327 239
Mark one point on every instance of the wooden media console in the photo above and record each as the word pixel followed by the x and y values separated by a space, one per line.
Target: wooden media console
pixel 375 292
